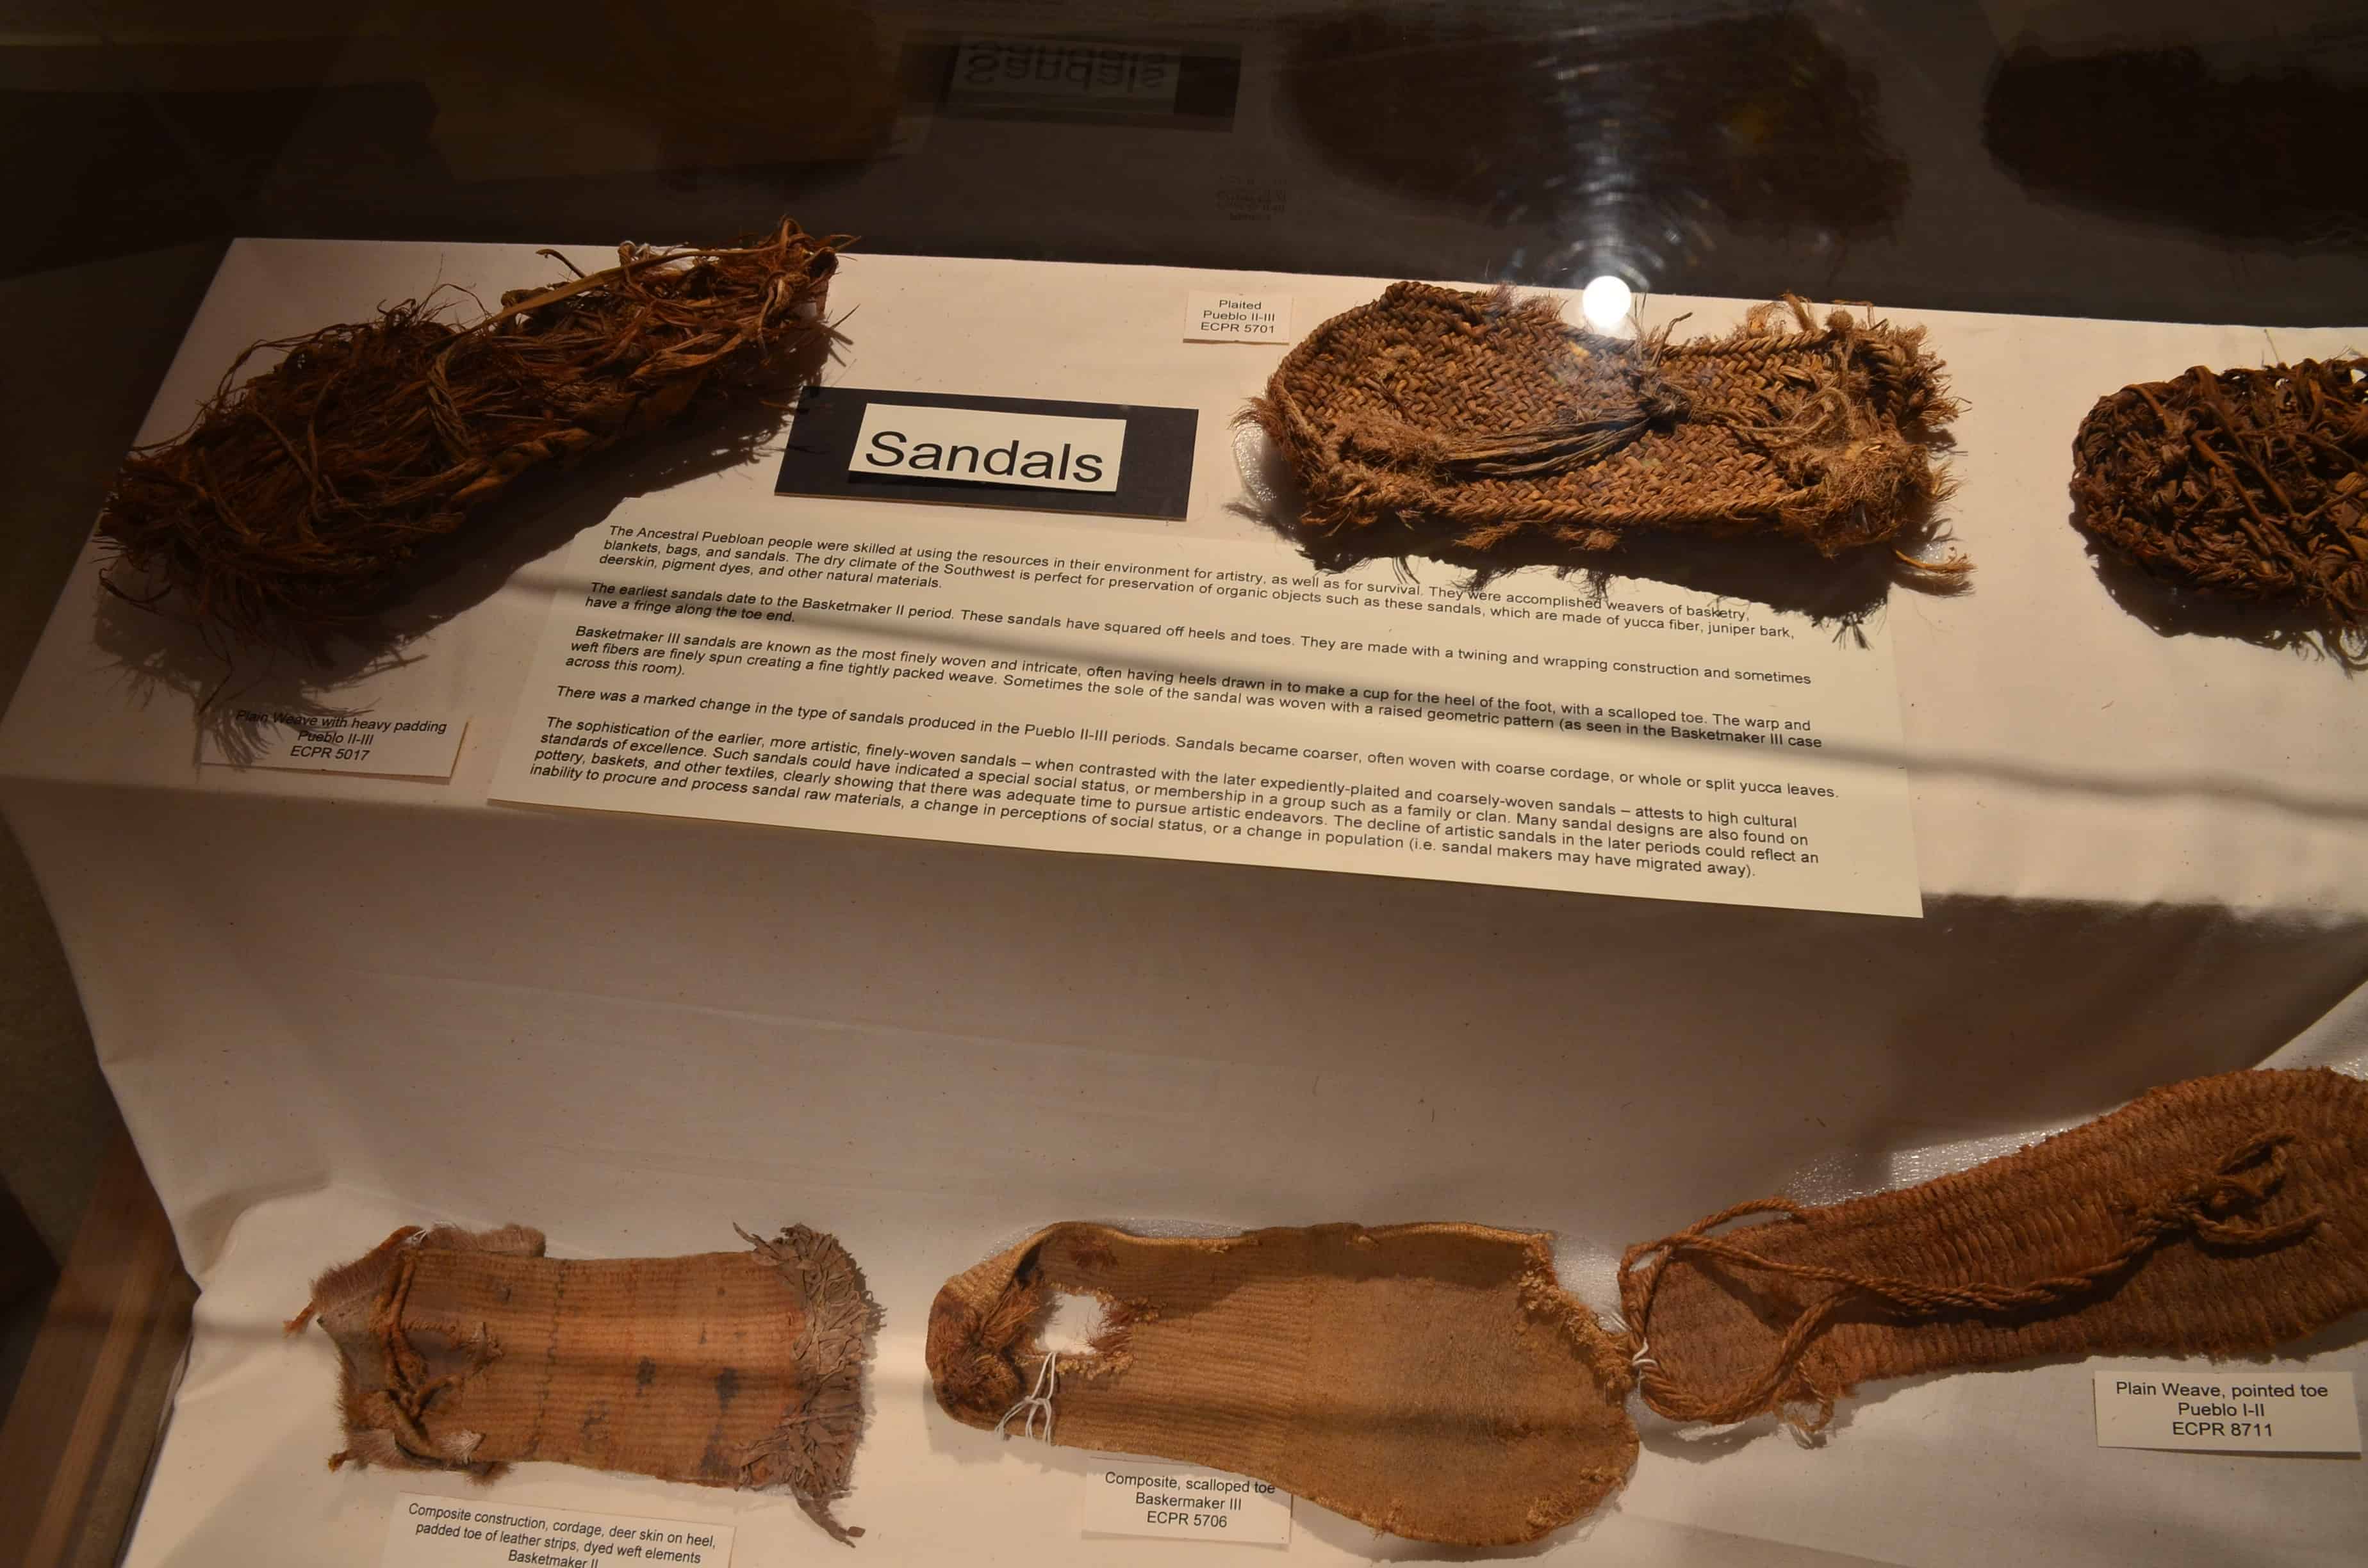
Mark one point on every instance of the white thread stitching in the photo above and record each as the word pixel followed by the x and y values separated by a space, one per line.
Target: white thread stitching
pixel 1039 1400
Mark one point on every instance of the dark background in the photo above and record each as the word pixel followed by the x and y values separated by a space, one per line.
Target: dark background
pixel 2138 158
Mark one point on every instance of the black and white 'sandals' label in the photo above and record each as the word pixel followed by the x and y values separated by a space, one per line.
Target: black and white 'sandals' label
pixel 1031 454
pixel 976 446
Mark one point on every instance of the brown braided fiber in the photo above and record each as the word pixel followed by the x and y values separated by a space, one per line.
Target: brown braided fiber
pixel 1473 422
pixel 2216 1217
pixel 2253 484
pixel 1431 1380
pixel 469 1350
pixel 289 510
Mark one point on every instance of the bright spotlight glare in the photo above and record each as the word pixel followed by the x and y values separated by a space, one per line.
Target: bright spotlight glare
pixel 1605 303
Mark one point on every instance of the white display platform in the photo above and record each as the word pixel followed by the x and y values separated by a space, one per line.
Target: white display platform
pixel 330 1005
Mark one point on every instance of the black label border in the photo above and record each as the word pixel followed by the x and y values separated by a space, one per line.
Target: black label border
pixel 1155 465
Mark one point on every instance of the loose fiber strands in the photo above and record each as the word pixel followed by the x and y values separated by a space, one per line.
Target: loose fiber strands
pixel 2221 1216
pixel 1439 421
pixel 470 1351
pixel 288 511
pixel 2249 484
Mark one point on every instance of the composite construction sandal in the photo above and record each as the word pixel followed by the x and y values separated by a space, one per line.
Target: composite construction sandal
pixel 470 1350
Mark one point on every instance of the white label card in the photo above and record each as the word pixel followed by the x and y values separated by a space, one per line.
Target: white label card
pixel 1039 452
pixel 2254 1411
pixel 407 746
pixel 1129 1496
pixel 1243 317
pixel 465 1532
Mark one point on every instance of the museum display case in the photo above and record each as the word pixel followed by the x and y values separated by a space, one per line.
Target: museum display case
pixel 1387 782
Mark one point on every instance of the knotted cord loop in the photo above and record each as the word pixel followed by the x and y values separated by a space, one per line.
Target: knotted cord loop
pixel 1551 449
pixel 2211 1207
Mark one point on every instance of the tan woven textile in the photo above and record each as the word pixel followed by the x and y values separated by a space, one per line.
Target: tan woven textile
pixel 2216 1217
pixel 469 1350
pixel 1444 422
pixel 1431 1380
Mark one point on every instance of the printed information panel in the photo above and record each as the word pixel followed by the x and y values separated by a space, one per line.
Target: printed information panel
pixel 1056 688
pixel 2259 1410
pixel 465 1532
pixel 1127 1495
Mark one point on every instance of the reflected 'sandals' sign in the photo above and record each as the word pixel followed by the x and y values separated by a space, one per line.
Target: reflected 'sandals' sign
pixel 988 446
pixel 987 70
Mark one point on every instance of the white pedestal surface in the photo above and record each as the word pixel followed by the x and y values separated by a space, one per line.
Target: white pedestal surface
pixel 332 1005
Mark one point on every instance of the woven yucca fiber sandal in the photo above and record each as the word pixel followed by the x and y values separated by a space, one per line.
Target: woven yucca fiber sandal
pixel 2223 1216
pixel 1439 422
pixel 2248 485
pixel 470 1350
pixel 1431 1380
